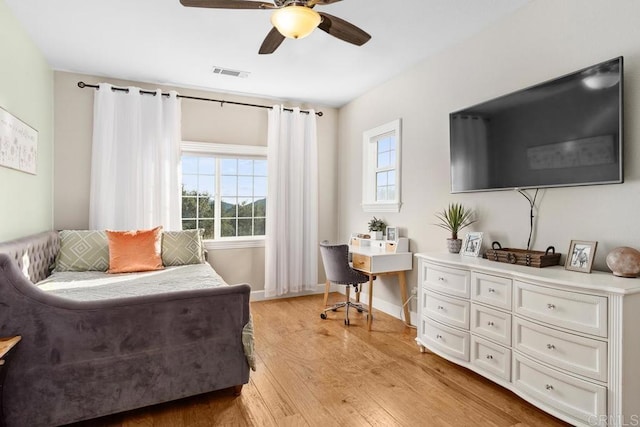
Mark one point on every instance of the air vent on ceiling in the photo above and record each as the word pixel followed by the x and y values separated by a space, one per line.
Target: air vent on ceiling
pixel 229 72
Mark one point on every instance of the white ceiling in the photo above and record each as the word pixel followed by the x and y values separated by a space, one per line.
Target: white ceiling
pixel 163 42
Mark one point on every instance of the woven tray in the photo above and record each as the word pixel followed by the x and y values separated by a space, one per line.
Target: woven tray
pixel 537 259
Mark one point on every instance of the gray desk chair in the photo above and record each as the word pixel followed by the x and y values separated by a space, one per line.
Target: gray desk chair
pixel 336 266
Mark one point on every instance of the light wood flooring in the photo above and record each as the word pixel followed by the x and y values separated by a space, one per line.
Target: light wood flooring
pixel 314 372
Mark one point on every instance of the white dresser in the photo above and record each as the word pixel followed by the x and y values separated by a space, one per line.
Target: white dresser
pixel 565 341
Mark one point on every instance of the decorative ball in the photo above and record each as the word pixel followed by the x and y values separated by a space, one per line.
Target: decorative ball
pixel 624 262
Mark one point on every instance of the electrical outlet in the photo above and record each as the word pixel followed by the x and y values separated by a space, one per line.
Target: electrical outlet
pixel 414 291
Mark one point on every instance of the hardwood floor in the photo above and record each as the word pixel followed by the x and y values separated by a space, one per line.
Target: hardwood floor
pixel 314 372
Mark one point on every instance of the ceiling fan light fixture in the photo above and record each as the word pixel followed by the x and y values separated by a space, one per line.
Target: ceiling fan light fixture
pixel 295 22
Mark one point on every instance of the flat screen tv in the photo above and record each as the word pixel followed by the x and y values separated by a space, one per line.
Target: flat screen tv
pixel 563 132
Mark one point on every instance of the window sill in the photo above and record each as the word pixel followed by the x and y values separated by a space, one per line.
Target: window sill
pixel 257 242
pixel 381 207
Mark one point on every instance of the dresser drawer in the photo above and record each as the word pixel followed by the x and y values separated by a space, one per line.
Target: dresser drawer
pixel 451 341
pixel 490 357
pixel 490 323
pixel 492 290
pixel 571 310
pixel 580 399
pixel 450 281
pixel 451 311
pixel 361 262
pixel 583 356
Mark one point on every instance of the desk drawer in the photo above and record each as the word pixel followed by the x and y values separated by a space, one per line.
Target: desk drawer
pixel 492 358
pixel 447 280
pixel 361 262
pixel 451 341
pixel 571 310
pixel 492 290
pixel 580 355
pixel 490 323
pixel 451 311
pixel 580 399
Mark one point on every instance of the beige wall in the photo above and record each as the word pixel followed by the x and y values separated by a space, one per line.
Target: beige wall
pixel 26 91
pixel 201 121
pixel 543 40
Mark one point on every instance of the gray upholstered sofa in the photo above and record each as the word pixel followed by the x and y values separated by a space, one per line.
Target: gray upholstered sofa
pixel 84 359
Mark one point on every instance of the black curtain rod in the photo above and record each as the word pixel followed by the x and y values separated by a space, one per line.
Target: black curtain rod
pixel 82 85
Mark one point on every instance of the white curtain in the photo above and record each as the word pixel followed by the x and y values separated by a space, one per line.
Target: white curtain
pixel 135 160
pixel 291 250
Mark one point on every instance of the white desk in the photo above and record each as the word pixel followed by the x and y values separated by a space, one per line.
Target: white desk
pixel 375 261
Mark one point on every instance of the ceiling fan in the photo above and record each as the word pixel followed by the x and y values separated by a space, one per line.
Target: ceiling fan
pixel 293 19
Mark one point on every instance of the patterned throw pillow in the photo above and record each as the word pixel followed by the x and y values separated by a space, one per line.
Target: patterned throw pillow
pixel 82 250
pixel 182 247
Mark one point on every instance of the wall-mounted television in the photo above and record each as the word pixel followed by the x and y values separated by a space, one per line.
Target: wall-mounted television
pixel 563 132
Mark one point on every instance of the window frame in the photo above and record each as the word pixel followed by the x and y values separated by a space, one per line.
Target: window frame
pixel 219 151
pixel 370 168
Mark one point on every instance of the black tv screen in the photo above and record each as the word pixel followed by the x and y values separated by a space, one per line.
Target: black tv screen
pixel 563 132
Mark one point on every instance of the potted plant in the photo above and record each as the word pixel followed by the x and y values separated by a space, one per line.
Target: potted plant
pixel 377 227
pixel 455 218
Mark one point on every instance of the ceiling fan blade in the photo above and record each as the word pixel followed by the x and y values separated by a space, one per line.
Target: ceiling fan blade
pixel 228 4
pixel 271 42
pixel 311 3
pixel 343 30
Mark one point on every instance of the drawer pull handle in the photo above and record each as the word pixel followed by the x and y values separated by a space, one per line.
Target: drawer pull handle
pixel 551 306
pixel 490 357
pixel 440 307
pixel 438 337
pixel 551 346
pixel 549 387
pixel 491 290
pixel 490 323
pixel 441 279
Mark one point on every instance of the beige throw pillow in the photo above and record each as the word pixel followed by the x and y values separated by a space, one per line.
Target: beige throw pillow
pixel 82 250
pixel 182 247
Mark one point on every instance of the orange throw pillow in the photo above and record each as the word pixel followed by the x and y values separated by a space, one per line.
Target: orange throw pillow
pixel 132 251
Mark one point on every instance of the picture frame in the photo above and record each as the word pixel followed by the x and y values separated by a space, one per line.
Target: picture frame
pixel 392 233
pixel 580 256
pixel 472 243
pixel 18 144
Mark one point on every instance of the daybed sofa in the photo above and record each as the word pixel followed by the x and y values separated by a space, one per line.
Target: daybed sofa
pixel 84 358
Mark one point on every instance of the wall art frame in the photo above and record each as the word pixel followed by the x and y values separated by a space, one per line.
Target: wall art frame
pixel 18 144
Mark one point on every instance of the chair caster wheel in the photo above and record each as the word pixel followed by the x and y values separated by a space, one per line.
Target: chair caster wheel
pixel 346 322
pixel 323 316
pixel 360 310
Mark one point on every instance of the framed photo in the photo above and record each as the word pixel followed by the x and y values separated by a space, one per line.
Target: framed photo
pixel 580 256
pixel 392 233
pixel 18 144
pixel 471 243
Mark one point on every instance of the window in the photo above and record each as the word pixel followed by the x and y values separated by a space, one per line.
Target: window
pixel 224 190
pixel 386 168
pixel 381 168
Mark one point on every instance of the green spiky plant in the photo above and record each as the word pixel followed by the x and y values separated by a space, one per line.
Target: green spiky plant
pixel 377 224
pixel 455 218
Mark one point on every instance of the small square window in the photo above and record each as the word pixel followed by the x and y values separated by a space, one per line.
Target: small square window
pixel 226 196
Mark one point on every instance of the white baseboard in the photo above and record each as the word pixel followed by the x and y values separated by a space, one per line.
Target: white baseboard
pixel 379 304
pixel 259 295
